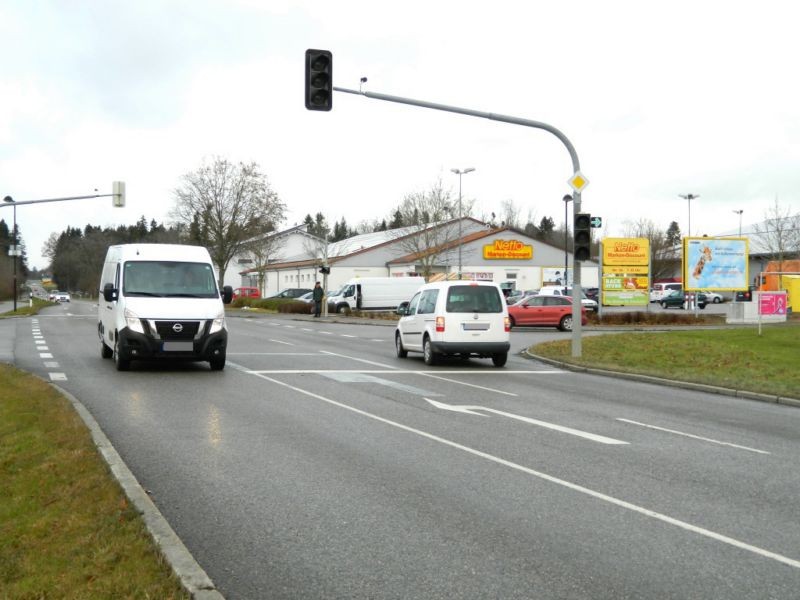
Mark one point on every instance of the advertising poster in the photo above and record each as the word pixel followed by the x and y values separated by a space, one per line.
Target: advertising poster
pixel 555 276
pixel 719 264
pixel 772 303
pixel 626 272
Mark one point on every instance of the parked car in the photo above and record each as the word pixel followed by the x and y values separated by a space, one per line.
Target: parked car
pixel 678 298
pixel 246 292
pixel 454 318
pixel 544 311
pixel 659 290
pixel 558 290
pixel 291 293
pixel 714 297
pixel 592 293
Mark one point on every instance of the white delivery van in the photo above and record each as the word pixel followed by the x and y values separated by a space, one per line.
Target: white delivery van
pixel 464 318
pixel 161 301
pixel 373 293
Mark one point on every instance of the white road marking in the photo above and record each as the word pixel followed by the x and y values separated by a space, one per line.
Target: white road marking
pixel 377 340
pixel 39 342
pixel 696 437
pixel 42 348
pixel 347 335
pixel 45 355
pixel 368 362
pixel 51 365
pixel 470 410
pixel 282 342
pixel 57 376
pixel 325 332
pixel 271 353
pixel 306 329
pixel 472 385
pixel 544 476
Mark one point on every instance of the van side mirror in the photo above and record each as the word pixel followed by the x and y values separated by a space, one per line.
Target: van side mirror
pixel 227 294
pixel 402 309
pixel 110 293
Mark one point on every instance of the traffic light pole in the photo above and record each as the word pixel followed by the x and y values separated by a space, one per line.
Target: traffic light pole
pixel 577 294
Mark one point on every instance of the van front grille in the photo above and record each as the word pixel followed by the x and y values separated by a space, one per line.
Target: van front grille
pixel 177 330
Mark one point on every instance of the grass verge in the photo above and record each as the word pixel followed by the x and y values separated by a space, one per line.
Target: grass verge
pixel 66 528
pixel 26 310
pixel 738 359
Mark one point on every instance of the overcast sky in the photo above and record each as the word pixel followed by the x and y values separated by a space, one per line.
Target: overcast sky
pixel 659 99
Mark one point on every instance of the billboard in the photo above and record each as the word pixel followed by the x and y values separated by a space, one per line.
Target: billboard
pixel 626 272
pixel 719 264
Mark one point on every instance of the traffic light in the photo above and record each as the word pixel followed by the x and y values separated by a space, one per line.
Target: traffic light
pixel 319 80
pixel 325 270
pixel 118 193
pixel 582 247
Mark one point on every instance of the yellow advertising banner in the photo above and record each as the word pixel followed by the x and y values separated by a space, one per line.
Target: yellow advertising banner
pixel 626 251
pixel 507 250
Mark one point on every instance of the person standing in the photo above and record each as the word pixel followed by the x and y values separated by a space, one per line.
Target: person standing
pixel 317 296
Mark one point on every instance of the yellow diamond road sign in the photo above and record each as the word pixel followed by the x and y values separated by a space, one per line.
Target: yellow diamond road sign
pixel 577 182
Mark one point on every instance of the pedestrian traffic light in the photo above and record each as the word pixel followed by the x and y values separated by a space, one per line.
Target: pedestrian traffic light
pixel 325 270
pixel 319 80
pixel 582 246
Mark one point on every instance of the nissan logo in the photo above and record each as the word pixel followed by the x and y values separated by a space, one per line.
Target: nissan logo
pixel 177 328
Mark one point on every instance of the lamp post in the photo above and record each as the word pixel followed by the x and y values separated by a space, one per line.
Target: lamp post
pixel 14 242
pixel 739 212
pixel 567 199
pixel 689 197
pixel 460 172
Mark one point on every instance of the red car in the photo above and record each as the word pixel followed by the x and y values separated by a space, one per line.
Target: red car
pixel 546 311
pixel 246 292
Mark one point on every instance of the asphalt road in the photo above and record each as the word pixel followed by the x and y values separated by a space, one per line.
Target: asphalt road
pixel 319 465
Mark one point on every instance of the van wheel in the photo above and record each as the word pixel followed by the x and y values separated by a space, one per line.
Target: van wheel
pixel 343 309
pixel 398 345
pixel 427 352
pixel 500 359
pixel 566 323
pixel 123 364
pixel 105 351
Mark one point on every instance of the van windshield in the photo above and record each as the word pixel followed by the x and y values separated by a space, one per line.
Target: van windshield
pixel 473 299
pixel 168 279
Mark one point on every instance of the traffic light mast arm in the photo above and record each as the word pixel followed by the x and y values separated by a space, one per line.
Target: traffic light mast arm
pixel 576 197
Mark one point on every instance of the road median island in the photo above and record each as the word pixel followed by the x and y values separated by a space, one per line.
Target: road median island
pixel 67 528
pixel 736 361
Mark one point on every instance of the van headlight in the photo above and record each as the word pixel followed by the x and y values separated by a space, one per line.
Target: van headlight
pixel 218 324
pixel 133 322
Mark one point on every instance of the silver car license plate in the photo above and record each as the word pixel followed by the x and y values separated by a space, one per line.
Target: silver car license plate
pixel 177 347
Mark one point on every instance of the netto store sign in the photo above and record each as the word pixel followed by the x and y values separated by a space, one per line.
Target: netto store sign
pixel 626 251
pixel 507 250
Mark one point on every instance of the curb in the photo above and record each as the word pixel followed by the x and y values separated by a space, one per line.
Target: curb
pixel 192 576
pixel 687 385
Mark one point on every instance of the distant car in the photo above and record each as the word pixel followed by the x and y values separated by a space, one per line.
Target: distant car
pixel 291 293
pixel 246 292
pixel 677 299
pixel 56 296
pixel 592 293
pixel 544 311
pixel 714 297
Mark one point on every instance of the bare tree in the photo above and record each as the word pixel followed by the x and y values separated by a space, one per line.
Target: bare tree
pixel 432 230
pixel 510 215
pixel 662 259
pixel 265 249
pixel 779 234
pixel 225 205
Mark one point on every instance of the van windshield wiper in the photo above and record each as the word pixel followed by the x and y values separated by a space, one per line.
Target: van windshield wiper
pixel 138 293
pixel 189 296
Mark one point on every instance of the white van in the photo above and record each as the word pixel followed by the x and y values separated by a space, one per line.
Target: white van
pixel 161 301
pixel 466 318
pixel 373 293
pixel 659 290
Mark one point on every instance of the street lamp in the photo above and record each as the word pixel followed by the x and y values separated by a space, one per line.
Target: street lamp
pixel 689 197
pixel 460 172
pixel 739 212
pixel 14 242
pixel 567 199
